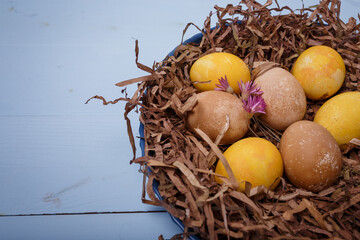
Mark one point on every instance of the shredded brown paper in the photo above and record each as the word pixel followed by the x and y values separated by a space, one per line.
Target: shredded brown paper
pixel 183 164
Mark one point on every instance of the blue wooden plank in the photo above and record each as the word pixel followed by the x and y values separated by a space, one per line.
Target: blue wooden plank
pixel 76 163
pixel 129 226
pixel 85 157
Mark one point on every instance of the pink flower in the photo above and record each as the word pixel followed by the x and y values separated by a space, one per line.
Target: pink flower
pixel 248 89
pixel 250 95
pixel 224 85
pixel 254 104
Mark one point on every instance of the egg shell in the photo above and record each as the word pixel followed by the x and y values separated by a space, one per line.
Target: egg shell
pixel 320 71
pixel 207 70
pixel 284 97
pixel 340 115
pixel 209 115
pixel 254 160
pixel 312 158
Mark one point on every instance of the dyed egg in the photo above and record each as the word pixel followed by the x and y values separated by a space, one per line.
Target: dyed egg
pixel 340 115
pixel 320 71
pixel 209 115
pixel 284 97
pixel 254 160
pixel 207 70
pixel 312 158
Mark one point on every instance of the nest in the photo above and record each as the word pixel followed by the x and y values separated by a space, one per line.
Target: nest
pixel 183 164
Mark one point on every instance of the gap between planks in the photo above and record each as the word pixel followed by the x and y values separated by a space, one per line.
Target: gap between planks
pixel 82 213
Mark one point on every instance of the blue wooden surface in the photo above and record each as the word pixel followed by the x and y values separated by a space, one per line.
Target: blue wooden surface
pixel 90 227
pixel 59 155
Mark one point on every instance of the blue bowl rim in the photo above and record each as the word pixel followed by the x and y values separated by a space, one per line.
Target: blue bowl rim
pixel 194 39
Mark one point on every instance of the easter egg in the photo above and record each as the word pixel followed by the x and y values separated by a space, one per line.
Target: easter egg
pixel 320 71
pixel 340 115
pixel 209 115
pixel 254 160
pixel 312 158
pixel 284 97
pixel 207 70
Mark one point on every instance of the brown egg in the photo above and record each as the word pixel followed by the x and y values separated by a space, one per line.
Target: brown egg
pixel 311 155
pixel 209 114
pixel 284 97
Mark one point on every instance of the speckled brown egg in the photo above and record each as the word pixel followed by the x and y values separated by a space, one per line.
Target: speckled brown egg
pixel 209 115
pixel 284 97
pixel 311 155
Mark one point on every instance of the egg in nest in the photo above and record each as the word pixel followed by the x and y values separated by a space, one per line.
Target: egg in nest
pixel 208 69
pixel 340 115
pixel 254 160
pixel 210 112
pixel 311 155
pixel 284 97
pixel 320 71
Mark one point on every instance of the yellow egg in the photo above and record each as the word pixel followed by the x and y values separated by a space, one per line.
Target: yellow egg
pixel 254 160
pixel 207 70
pixel 340 115
pixel 320 71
